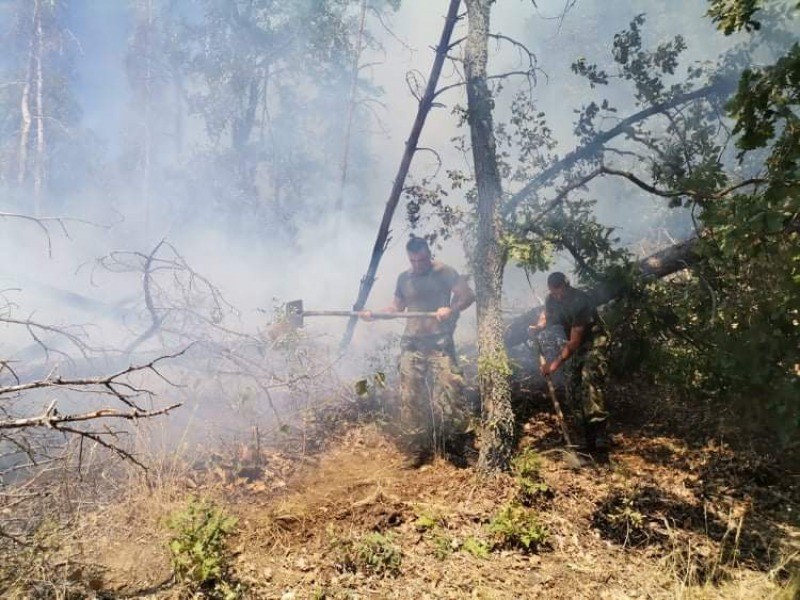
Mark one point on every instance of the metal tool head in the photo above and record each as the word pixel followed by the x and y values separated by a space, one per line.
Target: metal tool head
pixel 294 313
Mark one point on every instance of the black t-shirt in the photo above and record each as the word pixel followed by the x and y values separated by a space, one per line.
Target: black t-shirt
pixel 575 310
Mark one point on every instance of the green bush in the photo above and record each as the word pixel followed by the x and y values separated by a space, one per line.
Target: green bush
pixel 515 526
pixel 197 546
pixel 526 468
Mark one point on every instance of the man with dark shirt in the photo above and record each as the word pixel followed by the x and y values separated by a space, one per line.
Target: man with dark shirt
pixel 586 344
pixel 432 405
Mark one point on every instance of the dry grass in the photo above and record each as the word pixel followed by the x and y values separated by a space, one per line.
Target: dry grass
pixel 294 511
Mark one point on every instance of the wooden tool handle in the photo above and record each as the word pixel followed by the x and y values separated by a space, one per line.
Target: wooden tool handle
pixel 375 315
pixel 551 389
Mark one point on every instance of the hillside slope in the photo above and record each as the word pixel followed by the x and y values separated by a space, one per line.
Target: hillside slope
pixel 659 517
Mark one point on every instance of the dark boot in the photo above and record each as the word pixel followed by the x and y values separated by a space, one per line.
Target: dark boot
pixel 597 439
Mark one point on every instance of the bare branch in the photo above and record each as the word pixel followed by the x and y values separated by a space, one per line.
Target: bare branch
pixel 388 29
pixel 42 222
pixel 435 155
pixel 52 418
pixel 110 383
pixel 530 75
pixel 523 49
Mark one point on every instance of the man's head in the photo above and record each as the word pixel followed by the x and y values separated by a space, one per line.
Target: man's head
pixel 419 255
pixel 557 284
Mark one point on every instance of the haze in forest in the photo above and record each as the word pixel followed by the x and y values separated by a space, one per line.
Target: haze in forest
pixel 324 256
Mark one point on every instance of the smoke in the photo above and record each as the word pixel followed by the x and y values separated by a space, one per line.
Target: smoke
pixel 303 249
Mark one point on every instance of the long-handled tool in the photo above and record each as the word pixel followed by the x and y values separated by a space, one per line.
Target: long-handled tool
pixel 551 390
pixel 295 314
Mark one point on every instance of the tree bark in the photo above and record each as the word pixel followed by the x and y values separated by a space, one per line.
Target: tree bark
pixel 40 167
pixel 488 257
pixel 425 104
pixel 25 107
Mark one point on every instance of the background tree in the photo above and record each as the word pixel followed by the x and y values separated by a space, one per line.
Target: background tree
pixel 266 75
pixel 39 128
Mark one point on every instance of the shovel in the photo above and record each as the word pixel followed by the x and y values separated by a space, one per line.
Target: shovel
pixel 295 314
pixel 573 459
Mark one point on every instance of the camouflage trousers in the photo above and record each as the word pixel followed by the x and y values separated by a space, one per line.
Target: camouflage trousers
pixel 584 380
pixel 432 404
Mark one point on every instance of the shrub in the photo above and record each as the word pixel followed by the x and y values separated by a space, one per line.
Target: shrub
pixel 515 526
pixel 477 547
pixel 526 468
pixel 373 554
pixel 197 546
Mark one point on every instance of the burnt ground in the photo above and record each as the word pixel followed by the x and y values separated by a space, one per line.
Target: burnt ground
pixel 669 512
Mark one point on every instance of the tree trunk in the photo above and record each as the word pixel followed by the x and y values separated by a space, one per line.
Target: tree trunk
pixel 40 167
pixel 351 106
pixel 25 108
pixel 488 257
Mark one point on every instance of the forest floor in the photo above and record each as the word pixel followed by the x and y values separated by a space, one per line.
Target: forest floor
pixel 662 515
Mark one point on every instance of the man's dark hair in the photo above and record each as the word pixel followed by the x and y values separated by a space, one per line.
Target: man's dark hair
pixel 557 279
pixel 417 244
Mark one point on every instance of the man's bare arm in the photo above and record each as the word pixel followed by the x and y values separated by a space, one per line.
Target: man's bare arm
pixel 573 343
pixel 462 299
pixel 463 296
pixel 397 305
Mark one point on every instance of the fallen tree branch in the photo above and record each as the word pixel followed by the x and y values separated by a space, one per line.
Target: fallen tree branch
pixel 109 384
pixel 660 264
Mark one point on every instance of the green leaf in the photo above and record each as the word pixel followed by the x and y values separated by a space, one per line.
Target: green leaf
pixel 362 387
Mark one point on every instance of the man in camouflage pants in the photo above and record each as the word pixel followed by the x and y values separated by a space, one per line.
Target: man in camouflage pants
pixel 586 346
pixel 433 409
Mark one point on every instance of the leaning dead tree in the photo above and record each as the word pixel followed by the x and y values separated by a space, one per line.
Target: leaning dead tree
pixel 426 102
